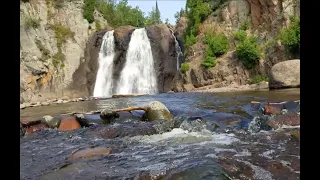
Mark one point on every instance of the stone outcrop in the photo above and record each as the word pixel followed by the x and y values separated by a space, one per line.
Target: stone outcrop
pixel 52 44
pixel 164 55
pixel 285 75
pixel 265 19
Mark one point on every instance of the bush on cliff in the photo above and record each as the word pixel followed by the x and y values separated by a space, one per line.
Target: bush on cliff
pixel 184 67
pixel 88 10
pixel 291 36
pixel 248 51
pixel 209 61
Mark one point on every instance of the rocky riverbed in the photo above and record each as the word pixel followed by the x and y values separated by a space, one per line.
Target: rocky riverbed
pixel 239 135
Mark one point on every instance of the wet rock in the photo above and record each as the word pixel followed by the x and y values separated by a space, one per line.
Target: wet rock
pixel 289 119
pixel 90 152
pixel 158 111
pixel 69 124
pixel 273 109
pixel 22 132
pixel 295 134
pixel 51 122
pixel 34 128
pixel 259 123
pixel 29 121
pixel 162 126
pixel 84 122
pixel 292 106
pixel 108 116
pixel 45 104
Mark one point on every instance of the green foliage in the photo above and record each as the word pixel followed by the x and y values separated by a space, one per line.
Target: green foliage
pixel 179 14
pixel 30 22
pixel 184 67
pixel 248 51
pixel 98 25
pixel 121 13
pixel 291 36
pixel 198 10
pixel 190 40
pixel 258 78
pixel 62 33
pixel 44 51
pixel 240 35
pixel 58 59
pixel 244 26
pixel 154 16
pixel 218 44
pixel 167 21
pixel 209 61
pixel 88 9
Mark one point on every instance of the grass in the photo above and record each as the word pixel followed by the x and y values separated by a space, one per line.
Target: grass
pixel 30 22
pixel 44 51
pixel 258 78
pixel 184 67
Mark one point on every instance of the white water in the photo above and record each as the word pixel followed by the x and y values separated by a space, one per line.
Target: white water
pixel 138 75
pixel 178 50
pixel 103 85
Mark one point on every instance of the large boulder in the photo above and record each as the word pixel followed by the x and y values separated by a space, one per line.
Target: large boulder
pixel 285 75
pixel 163 51
pixel 158 111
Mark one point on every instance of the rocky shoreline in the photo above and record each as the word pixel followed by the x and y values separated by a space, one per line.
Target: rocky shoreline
pixel 235 88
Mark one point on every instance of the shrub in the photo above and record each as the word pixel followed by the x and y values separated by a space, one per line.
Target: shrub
pixel 291 36
pixel 240 35
pixel 184 67
pixel 98 25
pixel 218 44
pixel 62 33
pixel 209 61
pixel 44 51
pixel 244 26
pixel 88 10
pixel 190 40
pixel 248 52
pixel 30 22
pixel 58 58
pixel 258 78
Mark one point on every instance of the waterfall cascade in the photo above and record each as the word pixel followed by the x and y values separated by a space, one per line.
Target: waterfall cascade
pixel 103 85
pixel 178 51
pixel 138 75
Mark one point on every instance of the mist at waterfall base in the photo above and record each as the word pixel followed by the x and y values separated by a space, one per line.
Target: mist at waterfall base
pixel 138 74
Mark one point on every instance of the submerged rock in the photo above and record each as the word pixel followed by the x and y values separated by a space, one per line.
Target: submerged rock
pixel 158 111
pixel 22 132
pixel 34 128
pixel 69 124
pixel 108 116
pixel 90 152
pixel 84 122
pixel 289 119
pixel 51 122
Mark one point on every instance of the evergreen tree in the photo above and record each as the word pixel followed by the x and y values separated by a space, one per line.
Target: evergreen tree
pixel 154 16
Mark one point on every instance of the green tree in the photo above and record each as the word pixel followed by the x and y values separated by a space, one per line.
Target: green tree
pixel 154 16
pixel 167 21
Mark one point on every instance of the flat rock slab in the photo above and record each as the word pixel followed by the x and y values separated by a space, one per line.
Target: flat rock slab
pixel 69 124
pixel 90 152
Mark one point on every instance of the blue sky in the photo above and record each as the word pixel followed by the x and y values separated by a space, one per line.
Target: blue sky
pixel 167 7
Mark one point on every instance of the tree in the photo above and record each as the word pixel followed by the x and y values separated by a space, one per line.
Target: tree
pixel 154 16
pixel 167 21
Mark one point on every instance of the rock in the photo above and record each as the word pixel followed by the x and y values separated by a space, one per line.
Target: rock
pixel 34 128
pixel 126 95
pixel 29 121
pixel 170 92
pixel 45 104
pixel 158 111
pixel 285 75
pixel 22 132
pixel 51 122
pixel 69 124
pixel 108 116
pixel 164 55
pixel 295 134
pixel 90 152
pixel 273 109
pixel 83 121
pixel 289 119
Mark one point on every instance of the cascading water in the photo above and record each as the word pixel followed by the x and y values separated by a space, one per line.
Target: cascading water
pixel 178 51
pixel 138 75
pixel 103 85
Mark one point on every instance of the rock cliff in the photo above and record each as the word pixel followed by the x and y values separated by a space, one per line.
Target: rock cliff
pixel 265 19
pixel 53 36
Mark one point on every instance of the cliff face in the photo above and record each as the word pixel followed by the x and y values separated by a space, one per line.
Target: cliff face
pixel 265 19
pixel 53 37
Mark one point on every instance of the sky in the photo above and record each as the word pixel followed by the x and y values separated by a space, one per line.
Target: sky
pixel 167 7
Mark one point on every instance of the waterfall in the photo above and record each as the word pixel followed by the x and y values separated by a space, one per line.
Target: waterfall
pixel 103 85
pixel 178 50
pixel 138 75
